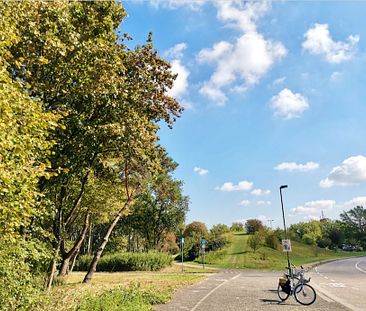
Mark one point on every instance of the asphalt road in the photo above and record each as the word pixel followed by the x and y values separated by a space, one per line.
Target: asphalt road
pixel 343 281
pixel 234 290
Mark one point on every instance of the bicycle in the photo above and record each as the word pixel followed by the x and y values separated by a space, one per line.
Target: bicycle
pixel 294 283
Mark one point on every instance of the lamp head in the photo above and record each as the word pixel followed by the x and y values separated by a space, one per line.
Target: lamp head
pixel 283 186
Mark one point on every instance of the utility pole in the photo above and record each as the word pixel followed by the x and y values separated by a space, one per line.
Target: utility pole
pixel 270 222
pixel 284 226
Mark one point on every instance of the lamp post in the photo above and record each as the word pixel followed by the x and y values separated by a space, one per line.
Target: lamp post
pixel 284 226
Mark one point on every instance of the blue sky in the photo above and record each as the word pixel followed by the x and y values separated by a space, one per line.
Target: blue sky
pixel 274 94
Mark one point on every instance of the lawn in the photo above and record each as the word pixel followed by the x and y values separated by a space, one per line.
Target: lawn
pixel 120 290
pixel 237 254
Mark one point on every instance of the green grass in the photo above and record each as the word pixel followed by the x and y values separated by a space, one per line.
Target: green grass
pixel 120 290
pixel 237 254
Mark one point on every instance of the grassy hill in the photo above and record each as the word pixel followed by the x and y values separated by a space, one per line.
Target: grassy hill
pixel 237 254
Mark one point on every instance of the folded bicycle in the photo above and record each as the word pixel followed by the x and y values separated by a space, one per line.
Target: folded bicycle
pixel 294 283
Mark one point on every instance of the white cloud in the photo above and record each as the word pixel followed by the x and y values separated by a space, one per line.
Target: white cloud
pixel 357 201
pixel 279 81
pixel 245 61
pixel 181 82
pixel 242 15
pixel 264 202
pixel 241 186
pixel 352 171
pixel 200 171
pixel 292 166
pixel 314 207
pixel 244 203
pixel 263 218
pixel 218 50
pixel 312 218
pixel 176 51
pixel 335 76
pixel 173 4
pixel 288 105
pixel 259 192
pixel 318 41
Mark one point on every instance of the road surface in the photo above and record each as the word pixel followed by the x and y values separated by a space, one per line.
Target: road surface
pixel 344 281
pixel 238 290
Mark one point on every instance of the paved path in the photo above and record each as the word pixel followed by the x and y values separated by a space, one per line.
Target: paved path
pixel 344 281
pixel 234 290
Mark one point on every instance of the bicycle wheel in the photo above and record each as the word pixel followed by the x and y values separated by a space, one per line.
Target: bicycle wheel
pixel 304 294
pixel 281 294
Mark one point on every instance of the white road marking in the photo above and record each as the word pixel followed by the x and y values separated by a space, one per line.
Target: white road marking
pixel 355 288
pixel 333 280
pixel 358 268
pixel 326 277
pixel 338 285
pixel 217 287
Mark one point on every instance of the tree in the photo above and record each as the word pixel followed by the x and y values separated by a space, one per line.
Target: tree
pixel 237 226
pixel 157 211
pixel 255 241
pixel 253 225
pixel 24 147
pixel 219 229
pixel 196 228
pixel 354 225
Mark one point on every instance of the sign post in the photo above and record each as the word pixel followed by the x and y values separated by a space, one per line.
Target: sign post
pixel 203 246
pixel 286 245
pixel 182 250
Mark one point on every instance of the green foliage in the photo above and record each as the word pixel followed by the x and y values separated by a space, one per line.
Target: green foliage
pixel 253 225
pixel 354 226
pixel 24 145
pixel 127 262
pixel 124 298
pixel 158 211
pixel 271 240
pixel 237 226
pixel 255 241
pixel 196 228
pixel 219 229
pixel 21 280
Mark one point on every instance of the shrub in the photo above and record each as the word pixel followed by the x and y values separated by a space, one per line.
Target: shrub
pixel 20 280
pixel 127 262
pixel 255 241
pixel 271 240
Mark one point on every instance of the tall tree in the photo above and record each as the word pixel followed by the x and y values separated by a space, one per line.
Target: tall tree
pixel 158 210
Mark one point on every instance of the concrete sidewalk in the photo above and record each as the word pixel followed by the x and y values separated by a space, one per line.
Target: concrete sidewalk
pixel 234 290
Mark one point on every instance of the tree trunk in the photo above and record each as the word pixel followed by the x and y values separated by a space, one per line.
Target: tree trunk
pixel 51 275
pixel 73 261
pixel 98 254
pixel 89 248
pixel 64 270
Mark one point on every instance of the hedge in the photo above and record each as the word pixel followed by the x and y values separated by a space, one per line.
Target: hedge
pixel 127 262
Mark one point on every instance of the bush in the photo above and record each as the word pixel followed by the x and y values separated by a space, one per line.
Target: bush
pixel 255 241
pixel 271 240
pixel 127 262
pixel 124 298
pixel 20 280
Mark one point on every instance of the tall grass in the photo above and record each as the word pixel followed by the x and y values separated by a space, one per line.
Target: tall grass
pixel 127 262
pixel 130 298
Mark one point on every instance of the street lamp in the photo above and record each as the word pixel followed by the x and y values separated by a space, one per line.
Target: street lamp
pixel 284 226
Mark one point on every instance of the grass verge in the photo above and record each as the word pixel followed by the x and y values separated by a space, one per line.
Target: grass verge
pixel 120 290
